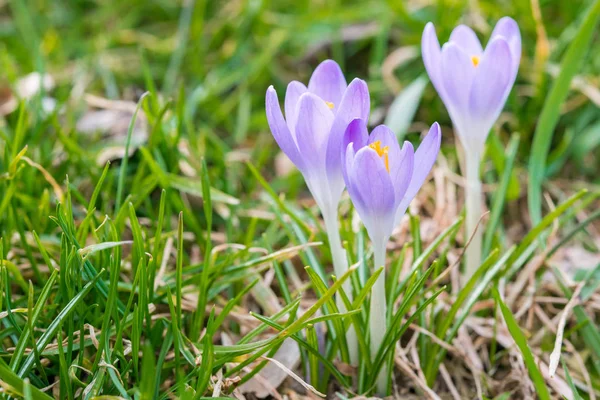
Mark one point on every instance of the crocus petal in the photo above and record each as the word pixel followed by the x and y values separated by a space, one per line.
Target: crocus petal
pixel 402 175
pixel 357 135
pixel 467 40
pixel 328 82
pixel 280 130
pixel 509 30
pixel 348 168
pixel 491 84
pixel 457 75
pixel 432 57
pixel 374 185
pixel 349 155
pixel 373 181
pixel 425 157
pixel 355 104
pixel 312 129
pixel 294 90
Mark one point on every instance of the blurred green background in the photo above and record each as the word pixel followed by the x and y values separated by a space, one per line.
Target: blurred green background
pixel 224 54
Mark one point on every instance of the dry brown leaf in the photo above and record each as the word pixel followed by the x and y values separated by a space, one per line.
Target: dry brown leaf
pixel 112 121
pixel 574 258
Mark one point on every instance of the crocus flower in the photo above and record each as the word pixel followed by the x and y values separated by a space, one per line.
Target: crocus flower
pixel 311 135
pixel 473 83
pixel 316 118
pixel 383 178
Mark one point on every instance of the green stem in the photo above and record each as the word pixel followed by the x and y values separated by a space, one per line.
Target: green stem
pixel 377 314
pixel 473 201
pixel 340 266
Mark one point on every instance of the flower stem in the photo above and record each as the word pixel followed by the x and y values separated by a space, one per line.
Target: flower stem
pixel 340 266
pixel 473 200
pixel 377 314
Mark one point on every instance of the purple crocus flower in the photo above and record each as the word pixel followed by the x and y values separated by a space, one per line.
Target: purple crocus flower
pixel 473 83
pixel 383 178
pixel 311 135
pixel 316 118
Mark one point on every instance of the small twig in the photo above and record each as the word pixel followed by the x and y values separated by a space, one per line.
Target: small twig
pixel 462 253
pixel 435 339
pixel 420 383
pixel 555 356
pixel 448 379
pixel 415 356
pixel 55 186
pixel 291 373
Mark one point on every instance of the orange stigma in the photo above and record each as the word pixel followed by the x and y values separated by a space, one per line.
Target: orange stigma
pixel 330 105
pixel 382 152
pixel 475 60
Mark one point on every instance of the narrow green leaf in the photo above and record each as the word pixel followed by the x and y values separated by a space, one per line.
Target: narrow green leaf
pixel 43 296
pixel 544 223
pixel 50 332
pixel 18 383
pixel 123 167
pixel 500 194
pixel 576 395
pixel 521 342
pixel 481 286
pixel 313 361
pixel 147 384
pixel 542 139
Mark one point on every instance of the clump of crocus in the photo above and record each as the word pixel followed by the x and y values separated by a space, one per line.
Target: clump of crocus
pixel 382 179
pixel 311 135
pixel 474 84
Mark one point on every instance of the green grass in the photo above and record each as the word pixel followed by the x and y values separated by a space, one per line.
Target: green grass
pixel 179 271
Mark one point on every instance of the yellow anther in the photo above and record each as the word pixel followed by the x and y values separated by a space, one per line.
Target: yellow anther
pixel 475 60
pixel 382 152
pixel 330 105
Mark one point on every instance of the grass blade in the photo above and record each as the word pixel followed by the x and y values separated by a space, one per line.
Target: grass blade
pixel 18 384
pixel 521 342
pixel 50 332
pixel 542 139
pixel 123 168
pixel 500 194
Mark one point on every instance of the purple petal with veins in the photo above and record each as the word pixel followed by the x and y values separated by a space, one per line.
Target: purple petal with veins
pixel 312 129
pixel 294 90
pixel 280 130
pixel 328 82
pixel 467 40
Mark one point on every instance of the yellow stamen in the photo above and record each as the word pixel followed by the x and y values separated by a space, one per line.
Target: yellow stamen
pixel 382 152
pixel 475 60
pixel 330 105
